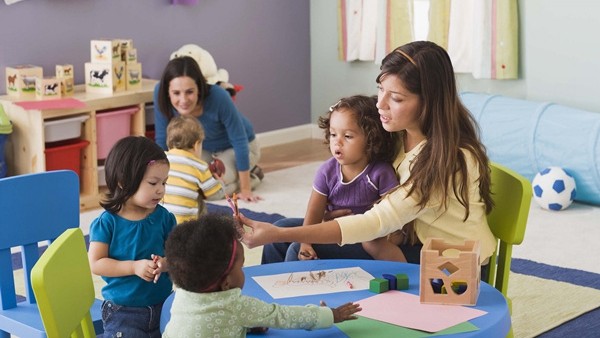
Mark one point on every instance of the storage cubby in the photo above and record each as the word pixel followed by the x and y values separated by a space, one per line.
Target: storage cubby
pixel 29 150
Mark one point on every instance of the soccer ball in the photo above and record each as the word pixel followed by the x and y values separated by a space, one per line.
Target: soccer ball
pixel 554 188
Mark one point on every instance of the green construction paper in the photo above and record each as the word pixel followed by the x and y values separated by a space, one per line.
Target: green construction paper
pixel 367 327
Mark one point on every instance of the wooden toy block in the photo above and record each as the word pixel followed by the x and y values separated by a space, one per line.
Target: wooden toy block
pixel 20 80
pixel 104 78
pixel 67 86
pixel 455 265
pixel 105 51
pixel 130 56
pixel 401 281
pixel 63 71
pixel 379 285
pixel 47 88
pixel 133 77
pixel 391 280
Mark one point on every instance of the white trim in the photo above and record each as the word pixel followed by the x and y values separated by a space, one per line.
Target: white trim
pixel 291 134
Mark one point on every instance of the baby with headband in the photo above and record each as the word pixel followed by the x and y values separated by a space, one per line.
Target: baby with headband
pixel 205 264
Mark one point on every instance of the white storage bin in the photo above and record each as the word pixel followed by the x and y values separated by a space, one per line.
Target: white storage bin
pixel 63 129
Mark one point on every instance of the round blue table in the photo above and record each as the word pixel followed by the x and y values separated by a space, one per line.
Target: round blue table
pixel 496 323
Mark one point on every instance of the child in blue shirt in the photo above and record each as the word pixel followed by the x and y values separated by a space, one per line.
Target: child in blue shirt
pixel 127 239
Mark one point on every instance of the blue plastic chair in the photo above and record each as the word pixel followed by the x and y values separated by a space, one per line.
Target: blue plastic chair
pixel 34 208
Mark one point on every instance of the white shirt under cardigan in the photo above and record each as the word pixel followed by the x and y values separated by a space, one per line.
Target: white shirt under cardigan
pixel 396 209
pixel 229 314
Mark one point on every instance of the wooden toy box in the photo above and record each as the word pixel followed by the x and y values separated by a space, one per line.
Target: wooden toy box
pixel 450 273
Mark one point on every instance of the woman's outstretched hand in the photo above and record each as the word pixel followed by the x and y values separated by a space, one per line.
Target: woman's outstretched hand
pixel 260 233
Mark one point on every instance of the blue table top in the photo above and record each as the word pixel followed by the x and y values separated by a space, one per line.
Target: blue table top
pixel 496 323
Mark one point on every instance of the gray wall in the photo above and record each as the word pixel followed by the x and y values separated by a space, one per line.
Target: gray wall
pixel 560 57
pixel 264 44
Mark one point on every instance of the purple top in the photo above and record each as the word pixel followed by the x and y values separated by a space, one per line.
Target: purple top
pixel 359 194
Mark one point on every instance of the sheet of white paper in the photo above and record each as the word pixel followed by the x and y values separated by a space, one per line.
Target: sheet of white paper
pixel 303 283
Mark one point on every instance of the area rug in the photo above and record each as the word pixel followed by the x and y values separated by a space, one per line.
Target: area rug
pixel 543 296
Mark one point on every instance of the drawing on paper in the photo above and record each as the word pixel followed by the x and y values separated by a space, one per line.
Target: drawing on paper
pixel 304 283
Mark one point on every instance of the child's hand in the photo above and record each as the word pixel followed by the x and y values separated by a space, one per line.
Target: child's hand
pixel 144 268
pixel 159 265
pixel 307 252
pixel 344 312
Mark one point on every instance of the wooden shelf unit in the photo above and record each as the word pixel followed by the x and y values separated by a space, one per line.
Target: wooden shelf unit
pixel 25 147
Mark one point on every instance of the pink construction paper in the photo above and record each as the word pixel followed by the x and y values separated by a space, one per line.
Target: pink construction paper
pixel 405 309
pixel 69 103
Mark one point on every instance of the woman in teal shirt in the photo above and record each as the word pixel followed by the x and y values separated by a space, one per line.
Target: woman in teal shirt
pixel 230 137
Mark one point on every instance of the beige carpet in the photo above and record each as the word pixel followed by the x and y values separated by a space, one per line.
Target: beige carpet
pixel 542 304
pixel 538 304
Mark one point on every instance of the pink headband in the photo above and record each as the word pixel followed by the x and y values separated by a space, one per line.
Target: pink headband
pixel 227 271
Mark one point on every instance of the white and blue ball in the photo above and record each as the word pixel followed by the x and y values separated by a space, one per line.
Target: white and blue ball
pixel 554 188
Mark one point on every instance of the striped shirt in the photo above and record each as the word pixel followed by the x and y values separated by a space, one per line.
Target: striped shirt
pixel 189 182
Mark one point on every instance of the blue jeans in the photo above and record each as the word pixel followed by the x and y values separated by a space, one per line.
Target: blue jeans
pixel 286 251
pixel 130 321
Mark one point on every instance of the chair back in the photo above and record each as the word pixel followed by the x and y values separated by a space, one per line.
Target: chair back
pixel 64 289
pixel 511 193
pixel 34 208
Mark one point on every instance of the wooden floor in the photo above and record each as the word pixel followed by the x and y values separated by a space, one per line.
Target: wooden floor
pixel 293 154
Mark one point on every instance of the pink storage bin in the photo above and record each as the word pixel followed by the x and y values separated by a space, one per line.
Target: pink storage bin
pixel 111 126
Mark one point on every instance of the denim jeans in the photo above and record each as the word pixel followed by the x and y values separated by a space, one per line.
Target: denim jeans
pixel 130 321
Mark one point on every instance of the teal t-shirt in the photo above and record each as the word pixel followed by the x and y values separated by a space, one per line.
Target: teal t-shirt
pixel 134 240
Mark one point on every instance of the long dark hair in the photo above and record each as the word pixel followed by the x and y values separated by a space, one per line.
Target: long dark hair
pixel 178 67
pixel 425 70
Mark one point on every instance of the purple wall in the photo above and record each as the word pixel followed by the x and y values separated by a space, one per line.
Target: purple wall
pixel 264 44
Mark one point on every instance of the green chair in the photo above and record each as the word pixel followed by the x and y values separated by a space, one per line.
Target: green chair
pixel 511 193
pixel 63 286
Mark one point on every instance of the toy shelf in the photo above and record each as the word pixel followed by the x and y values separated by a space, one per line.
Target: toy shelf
pixel 26 146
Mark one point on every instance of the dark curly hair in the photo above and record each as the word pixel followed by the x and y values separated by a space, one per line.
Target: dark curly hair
pixel 125 167
pixel 381 144
pixel 199 251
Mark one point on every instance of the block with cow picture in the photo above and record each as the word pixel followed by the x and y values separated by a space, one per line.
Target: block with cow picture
pixel 105 78
pixel 20 80
pixel 47 88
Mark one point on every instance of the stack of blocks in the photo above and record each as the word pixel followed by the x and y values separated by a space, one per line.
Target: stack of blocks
pixel 113 67
pixel 389 282
pixel 453 265
pixel 28 82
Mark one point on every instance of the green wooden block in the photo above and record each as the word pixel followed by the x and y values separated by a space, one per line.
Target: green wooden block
pixel 401 281
pixel 379 285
